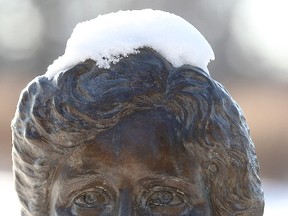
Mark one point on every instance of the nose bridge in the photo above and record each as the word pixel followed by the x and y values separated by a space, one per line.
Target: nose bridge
pixel 125 203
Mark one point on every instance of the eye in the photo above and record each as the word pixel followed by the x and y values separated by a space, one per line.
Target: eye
pixel 93 199
pixel 164 197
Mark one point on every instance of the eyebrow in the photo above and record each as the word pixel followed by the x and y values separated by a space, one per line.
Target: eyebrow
pixel 83 182
pixel 85 176
pixel 87 181
pixel 103 173
pixel 168 180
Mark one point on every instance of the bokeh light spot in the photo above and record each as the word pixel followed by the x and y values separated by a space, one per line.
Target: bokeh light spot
pixel 260 27
pixel 21 29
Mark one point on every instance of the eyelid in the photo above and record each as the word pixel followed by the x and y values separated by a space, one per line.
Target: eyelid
pixel 80 199
pixel 152 191
pixel 185 188
pixel 92 186
pixel 161 188
pixel 67 196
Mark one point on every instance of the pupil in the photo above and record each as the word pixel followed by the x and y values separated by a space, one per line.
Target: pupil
pixel 165 197
pixel 95 198
pixel 90 198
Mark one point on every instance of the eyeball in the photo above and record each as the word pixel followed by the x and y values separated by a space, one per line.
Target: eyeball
pixel 93 199
pixel 164 198
pixel 161 200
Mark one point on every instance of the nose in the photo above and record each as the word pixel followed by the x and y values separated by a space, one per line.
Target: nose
pixel 125 203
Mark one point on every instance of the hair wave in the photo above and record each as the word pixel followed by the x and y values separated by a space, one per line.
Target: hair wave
pixel 55 116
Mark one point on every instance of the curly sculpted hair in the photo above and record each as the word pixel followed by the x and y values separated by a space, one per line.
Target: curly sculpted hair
pixel 55 115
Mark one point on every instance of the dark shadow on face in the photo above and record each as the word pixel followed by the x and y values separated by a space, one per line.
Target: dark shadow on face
pixel 139 167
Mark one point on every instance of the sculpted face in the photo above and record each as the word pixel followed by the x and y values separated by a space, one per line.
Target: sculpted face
pixel 138 167
pixel 92 144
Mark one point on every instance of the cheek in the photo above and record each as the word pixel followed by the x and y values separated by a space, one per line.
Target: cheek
pixel 62 211
pixel 82 212
pixel 197 212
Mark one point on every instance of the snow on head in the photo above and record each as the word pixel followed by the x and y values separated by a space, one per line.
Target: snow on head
pixel 107 38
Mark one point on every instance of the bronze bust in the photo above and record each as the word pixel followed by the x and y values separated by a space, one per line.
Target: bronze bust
pixel 140 138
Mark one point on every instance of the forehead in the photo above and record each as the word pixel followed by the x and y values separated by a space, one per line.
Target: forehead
pixel 143 131
pixel 144 142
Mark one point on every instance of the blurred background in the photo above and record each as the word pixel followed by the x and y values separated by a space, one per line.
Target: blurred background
pixel 249 39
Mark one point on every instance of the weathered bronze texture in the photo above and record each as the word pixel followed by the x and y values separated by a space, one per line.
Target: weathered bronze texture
pixel 139 138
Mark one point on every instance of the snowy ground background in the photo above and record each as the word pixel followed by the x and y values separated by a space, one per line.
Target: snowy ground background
pixel 275 195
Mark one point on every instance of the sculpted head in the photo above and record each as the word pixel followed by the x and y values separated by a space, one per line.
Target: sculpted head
pixel 139 138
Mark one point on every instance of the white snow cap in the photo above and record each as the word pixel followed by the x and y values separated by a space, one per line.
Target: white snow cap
pixel 109 37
